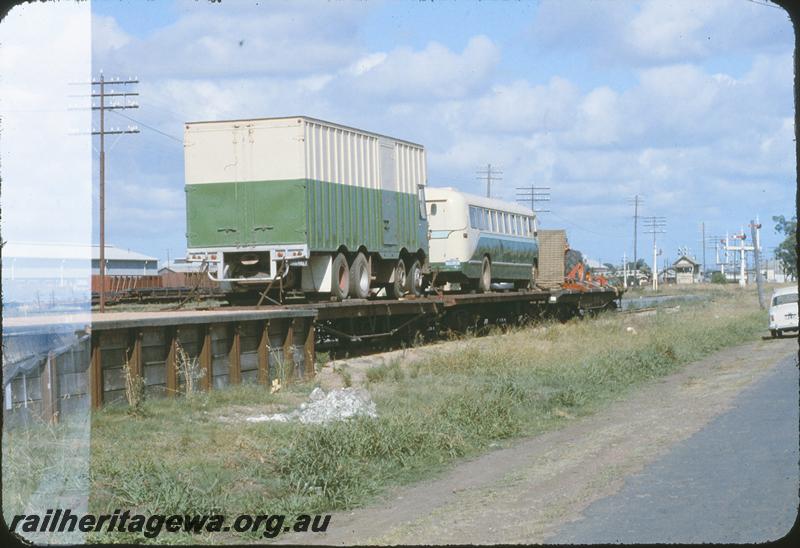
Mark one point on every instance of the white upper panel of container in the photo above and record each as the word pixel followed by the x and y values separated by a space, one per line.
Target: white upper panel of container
pixel 279 149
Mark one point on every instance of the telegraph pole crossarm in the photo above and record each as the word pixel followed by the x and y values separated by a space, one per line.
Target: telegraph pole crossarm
pixel 489 174
pixel 533 194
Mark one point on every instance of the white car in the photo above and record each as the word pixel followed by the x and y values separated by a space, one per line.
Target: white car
pixel 783 311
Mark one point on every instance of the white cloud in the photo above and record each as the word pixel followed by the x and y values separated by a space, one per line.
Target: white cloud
pixel 656 31
pixel 521 107
pixel 274 39
pixel 432 73
pixel 107 34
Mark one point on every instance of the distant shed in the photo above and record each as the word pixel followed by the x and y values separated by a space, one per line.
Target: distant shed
pixel 183 274
pixel 687 271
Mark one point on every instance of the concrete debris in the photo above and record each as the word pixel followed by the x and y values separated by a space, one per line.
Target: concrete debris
pixel 338 404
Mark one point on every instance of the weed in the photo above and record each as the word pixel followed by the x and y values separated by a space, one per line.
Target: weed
pixel 134 388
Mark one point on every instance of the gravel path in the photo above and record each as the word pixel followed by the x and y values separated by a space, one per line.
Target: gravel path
pixel 528 492
pixel 735 481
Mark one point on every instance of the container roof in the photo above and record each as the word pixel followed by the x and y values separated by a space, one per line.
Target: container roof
pixel 308 119
pixel 55 250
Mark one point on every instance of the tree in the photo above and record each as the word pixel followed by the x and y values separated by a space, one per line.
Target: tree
pixel 786 252
pixel 640 265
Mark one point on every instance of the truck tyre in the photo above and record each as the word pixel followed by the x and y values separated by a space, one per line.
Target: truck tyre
pixel 485 281
pixel 397 287
pixel 414 279
pixel 359 277
pixel 774 333
pixel 340 284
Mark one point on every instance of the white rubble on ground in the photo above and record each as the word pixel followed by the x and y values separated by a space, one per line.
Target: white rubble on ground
pixel 338 404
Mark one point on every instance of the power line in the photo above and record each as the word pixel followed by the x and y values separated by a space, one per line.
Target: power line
pixel 579 227
pixel 148 127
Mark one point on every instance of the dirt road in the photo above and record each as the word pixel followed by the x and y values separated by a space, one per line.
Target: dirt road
pixel 525 493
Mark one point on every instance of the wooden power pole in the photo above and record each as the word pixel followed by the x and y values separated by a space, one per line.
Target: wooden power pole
pixel 102 94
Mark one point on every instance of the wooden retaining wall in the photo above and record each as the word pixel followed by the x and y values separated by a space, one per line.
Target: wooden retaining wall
pixel 223 349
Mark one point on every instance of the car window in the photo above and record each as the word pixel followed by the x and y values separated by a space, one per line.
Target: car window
pixel 784 299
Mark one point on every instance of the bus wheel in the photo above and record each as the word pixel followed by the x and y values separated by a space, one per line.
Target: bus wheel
pixel 397 287
pixel 340 286
pixel 359 277
pixel 485 281
pixel 414 279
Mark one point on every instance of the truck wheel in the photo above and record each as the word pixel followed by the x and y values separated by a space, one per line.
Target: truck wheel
pixel 485 281
pixel 774 333
pixel 359 277
pixel 414 279
pixel 397 287
pixel 340 285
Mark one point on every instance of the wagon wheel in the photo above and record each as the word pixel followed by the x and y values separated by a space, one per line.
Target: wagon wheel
pixel 414 279
pixel 359 277
pixel 340 285
pixel 485 281
pixel 397 287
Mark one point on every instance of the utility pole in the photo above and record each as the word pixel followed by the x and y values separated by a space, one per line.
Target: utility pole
pixel 533 194
pixel 703 231
pixel 624 271
pixel 655 225
pixel 102 132
pixel 635 201
pixel 755 229
pixel 489 175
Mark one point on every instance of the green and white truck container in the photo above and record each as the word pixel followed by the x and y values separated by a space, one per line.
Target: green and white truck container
pixel 325 208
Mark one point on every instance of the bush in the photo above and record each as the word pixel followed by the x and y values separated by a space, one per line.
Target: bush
pixel 718 278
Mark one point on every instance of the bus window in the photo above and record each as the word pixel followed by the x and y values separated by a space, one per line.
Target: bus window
pixel 473 217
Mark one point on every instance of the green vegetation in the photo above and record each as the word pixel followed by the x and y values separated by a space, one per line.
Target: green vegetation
pixel 199 455
pixel 786 252
pixel 718 278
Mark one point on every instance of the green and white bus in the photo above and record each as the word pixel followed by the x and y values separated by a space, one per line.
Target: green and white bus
pixel 323 207
pixel 476 241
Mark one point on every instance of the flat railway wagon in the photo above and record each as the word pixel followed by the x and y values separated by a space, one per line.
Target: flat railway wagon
pixel 317 207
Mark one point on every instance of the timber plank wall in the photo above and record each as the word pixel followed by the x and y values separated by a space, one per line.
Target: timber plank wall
pixel 229 348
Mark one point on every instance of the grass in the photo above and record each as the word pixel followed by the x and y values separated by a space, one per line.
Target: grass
pixel 177 456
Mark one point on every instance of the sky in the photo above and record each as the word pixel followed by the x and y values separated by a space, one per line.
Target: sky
pixel 686 104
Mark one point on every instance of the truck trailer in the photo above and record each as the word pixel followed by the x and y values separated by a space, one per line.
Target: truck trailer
pixel 320 207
